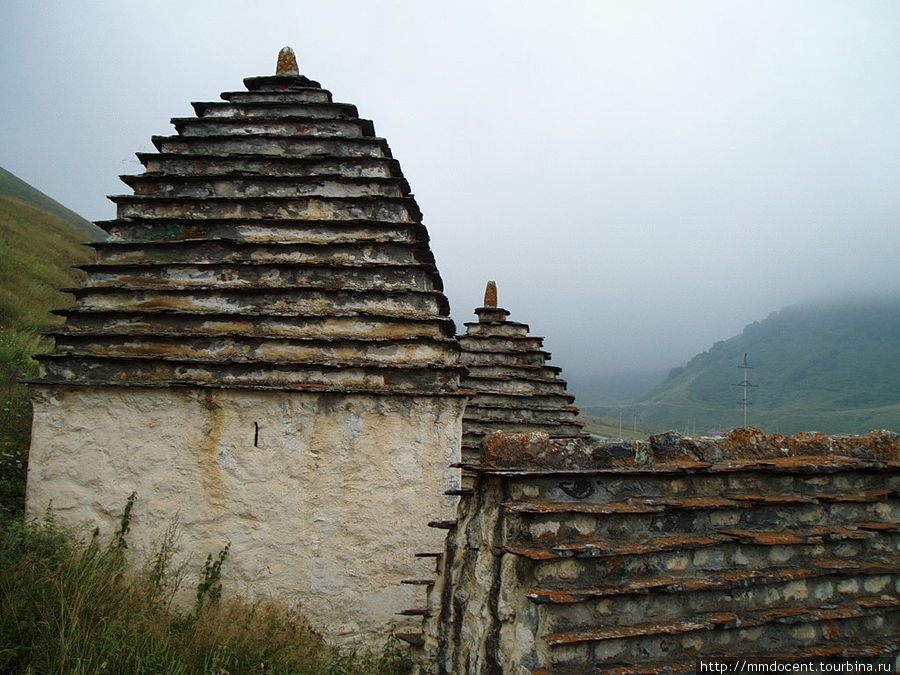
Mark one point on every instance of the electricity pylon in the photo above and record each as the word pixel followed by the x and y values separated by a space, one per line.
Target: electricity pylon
pixel 745 385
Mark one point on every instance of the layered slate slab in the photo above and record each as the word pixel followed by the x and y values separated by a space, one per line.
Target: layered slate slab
pixel 271 243
pixel 515 389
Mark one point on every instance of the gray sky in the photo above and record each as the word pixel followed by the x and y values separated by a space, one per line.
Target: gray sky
pixel 641 178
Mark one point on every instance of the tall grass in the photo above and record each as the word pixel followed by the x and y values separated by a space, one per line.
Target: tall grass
pixel 71 606
pixel 15 417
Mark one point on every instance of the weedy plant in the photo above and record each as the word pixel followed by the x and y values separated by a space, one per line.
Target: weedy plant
pixel 73 605
pixel 15 416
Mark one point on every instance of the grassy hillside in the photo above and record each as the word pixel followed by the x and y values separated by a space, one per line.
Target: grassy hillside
pixel 12 186
pixel 828 367
pixel 37 250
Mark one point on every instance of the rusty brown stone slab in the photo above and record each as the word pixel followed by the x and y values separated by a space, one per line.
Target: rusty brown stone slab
pixel 867 496
pixel 718 580
pixel 653 545
pixel 582 507
pixel 806 614
pixel 767 538
pixel 608 548
pixel 766 498
pixel 656 504
pixel 882 602
pixel 532 553
pixel 795 536
pixel 690 467
pixel 863 606
pixel 614 633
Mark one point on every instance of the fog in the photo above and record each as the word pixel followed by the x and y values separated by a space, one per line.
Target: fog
pixel 640 178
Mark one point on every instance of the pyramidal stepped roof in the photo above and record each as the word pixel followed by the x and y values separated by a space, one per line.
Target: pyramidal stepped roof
pixel 272 243
pixel 515 389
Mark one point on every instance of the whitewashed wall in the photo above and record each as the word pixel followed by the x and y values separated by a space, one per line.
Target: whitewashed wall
pixel 324 505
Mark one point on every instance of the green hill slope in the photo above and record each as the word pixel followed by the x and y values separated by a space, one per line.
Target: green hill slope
pixel 12 186
pixel 827 367
pixel 37 251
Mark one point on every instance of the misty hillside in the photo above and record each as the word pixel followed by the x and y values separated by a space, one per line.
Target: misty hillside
pixel 37 250
pixel 825 367
pixel 15 187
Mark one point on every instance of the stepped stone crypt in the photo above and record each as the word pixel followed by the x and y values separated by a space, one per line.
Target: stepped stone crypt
pixel 263 350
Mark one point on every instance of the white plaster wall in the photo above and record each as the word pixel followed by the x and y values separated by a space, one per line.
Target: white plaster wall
pixel 327 511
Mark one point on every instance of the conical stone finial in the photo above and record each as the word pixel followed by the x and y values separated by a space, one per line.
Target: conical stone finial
pixel 287 62
pixel 490 294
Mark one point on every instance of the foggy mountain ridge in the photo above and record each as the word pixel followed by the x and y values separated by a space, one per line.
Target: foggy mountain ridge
pixel 826 365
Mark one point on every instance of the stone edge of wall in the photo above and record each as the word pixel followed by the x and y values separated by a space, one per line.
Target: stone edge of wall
pixel 536 451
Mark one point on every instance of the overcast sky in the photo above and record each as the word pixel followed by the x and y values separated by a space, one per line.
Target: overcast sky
pixel 641 178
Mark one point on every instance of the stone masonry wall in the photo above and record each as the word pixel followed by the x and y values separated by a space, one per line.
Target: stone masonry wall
pixel 640 558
